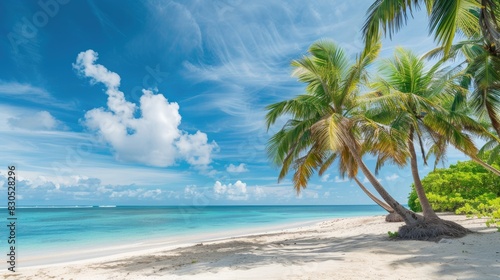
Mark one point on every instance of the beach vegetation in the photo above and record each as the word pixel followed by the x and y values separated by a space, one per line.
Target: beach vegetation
pixel 393 235
pixel 463 188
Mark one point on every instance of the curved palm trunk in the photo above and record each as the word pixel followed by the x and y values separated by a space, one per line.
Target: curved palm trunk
pixel 485 165
pixel 479 161
pixel 492 115
pixel 373 197
pixel 409 217
pixel 427 210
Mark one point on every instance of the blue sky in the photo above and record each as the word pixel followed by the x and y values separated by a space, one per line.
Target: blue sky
pixel 162 102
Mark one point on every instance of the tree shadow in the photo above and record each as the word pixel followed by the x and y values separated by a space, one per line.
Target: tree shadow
pixel 463 258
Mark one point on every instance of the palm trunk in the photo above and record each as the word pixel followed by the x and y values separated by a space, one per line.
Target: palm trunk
pixel 479 161
pixel 409 217
pixel 373 197
pixel 493 116
pixel 486 165
pixel 489 23
pixel 427 210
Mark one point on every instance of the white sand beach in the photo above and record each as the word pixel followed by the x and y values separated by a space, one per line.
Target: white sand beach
pixel 348 248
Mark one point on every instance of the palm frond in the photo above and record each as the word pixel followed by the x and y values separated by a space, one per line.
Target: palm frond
pixel 449 17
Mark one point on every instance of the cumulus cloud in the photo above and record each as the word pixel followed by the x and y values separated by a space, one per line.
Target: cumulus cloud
pixel 236 191
pixel 191 191
pixel 151 193
pixel 237 169
pixel 154 138
pixel 42 120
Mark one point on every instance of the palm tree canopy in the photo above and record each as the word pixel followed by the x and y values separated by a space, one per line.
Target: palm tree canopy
pixel 481 74
pixel 446 18
pixel 421 100
pixel 323 118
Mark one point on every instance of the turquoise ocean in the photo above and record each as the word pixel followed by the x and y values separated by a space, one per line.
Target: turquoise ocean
pixel 48 229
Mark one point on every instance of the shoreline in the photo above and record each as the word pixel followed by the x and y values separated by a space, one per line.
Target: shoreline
pixel 162 225
pixel 41 259
pixel 335 248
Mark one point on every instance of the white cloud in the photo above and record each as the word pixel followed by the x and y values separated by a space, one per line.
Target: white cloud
pixel 325 178
pixel 237 169
pixel 42 120
pixel 340 180
pixel 191 191
pixel 392 177
pixel 151 193
pixel 195 148
pixel 138 193
pixel 86 190
pixel 154 138
pixel 126 193
pixel 236 191
pixel 259 192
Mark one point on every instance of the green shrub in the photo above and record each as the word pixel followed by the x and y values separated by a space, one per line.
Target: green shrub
pixel 464 188
pixel 393 235
pixel 413 202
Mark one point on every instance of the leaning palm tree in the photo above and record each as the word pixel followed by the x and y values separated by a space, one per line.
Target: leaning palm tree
pixel 327 122
pixel 410 97
pixel 285 147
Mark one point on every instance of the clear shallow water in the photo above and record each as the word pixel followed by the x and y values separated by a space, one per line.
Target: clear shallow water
pixel 43 229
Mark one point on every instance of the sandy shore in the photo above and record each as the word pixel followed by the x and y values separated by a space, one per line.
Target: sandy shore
pixel 350 248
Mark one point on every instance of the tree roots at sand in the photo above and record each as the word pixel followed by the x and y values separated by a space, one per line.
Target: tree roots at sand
pixel 393 217
pixel 432 230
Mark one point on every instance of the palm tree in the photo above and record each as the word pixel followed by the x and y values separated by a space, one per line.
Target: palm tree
pixel 327 122
pixel 482 73
pixel 477 19
pixel 488 20
pixel 410 98
pixel 490 151
pixel 484 100
pixel 446 19
pixel 286 146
